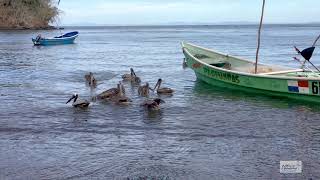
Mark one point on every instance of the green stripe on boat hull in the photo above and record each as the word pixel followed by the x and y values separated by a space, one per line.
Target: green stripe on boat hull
pixel 218 83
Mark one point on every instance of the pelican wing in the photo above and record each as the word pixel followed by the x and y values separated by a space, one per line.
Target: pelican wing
pixel 151 105
pixel 108 93
pixel 165 90
pixel 126 77
pixel 81 103
pixel 148 103
pixel 87 77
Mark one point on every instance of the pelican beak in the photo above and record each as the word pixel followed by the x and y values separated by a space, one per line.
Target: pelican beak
pixel 70 99
pixel 156 85
pixel 162 101
pixel 75 98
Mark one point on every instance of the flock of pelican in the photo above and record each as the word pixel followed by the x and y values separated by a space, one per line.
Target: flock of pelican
pixel 118 94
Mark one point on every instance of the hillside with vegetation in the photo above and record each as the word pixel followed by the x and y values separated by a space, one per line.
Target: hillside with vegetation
pixel 27 14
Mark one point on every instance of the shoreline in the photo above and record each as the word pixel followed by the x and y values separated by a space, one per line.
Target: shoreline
pixel 31 28
pixel 151 25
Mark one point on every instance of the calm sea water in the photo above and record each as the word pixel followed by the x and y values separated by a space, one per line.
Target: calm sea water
pixel 201 132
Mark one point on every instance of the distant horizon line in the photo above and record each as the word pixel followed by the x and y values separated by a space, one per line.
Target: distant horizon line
pixel 187 24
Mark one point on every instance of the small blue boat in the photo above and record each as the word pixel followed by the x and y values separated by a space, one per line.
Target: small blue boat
pixel 67 38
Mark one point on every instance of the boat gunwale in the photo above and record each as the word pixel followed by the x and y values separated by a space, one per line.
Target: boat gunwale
pixel 242 59
pixel 54 39
pixel 65 38
pixel 70 37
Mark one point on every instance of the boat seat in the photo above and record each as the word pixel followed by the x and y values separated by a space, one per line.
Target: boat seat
pixel 251 69
pixel 282 72
pixel 225 65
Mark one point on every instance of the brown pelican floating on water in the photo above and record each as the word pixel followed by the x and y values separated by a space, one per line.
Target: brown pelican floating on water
pixel 78 103
pixel 120 98
pixel 184 63
pixel 144 90
pixel 110 93
pixel 152 104
pixel 92 82
pixel 131 77
pixel 163 90
pixel 128 76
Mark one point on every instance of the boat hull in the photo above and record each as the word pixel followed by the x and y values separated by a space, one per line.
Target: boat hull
pixel 46 42
pixel 64 39
pixel 297 88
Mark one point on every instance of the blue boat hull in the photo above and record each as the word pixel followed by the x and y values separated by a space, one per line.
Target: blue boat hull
pixel 64 39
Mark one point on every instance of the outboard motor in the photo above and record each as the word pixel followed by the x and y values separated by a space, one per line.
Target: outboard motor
pixel 38 38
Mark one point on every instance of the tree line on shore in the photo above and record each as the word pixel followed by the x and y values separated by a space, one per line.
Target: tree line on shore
pixel 27 14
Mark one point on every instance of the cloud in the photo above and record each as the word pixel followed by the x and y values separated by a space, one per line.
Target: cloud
pixel 135 12
pixel 168 11
pixel 120 8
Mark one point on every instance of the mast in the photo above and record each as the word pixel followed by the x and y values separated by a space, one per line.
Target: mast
pixel 57 22
pixel 259 34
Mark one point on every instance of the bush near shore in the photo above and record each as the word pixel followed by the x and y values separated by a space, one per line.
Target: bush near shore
pixel 27 14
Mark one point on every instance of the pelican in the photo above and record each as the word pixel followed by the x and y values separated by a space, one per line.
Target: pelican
pixel 110 93
pixel 136 79
pixel 128 76
pixel 163 90
pixel 120 98
pixel 92 82
pixel 78 103
pixel 152 104
pixel 184 63
pixel 131 77
pixel 144 90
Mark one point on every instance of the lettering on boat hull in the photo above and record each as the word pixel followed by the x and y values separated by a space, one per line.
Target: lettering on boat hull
pixel 225 76
pixel 304 87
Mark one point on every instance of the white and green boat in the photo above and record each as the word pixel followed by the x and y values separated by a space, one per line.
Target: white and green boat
pixel 228 71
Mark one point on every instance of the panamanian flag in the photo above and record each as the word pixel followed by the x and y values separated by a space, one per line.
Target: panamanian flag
pixel 298 87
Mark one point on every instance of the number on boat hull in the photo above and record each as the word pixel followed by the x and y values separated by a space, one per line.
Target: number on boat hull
pixel 315 87
pixel 304 87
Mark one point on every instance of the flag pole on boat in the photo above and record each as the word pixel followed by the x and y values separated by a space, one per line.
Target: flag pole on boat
pixel 58 22
pixel 259 34
pixel 307 54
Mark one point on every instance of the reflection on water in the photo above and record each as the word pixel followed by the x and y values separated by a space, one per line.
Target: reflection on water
pixel 201 131
pixel 151 117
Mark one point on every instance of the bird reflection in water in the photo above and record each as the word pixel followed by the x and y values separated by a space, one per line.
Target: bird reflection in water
pixel 152 117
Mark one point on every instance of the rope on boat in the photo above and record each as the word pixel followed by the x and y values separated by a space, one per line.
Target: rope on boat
pixel 315 42
pixel 259 34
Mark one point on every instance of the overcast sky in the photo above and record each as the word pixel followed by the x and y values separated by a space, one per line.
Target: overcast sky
pixel 131 12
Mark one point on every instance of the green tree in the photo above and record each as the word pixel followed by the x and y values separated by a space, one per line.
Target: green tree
pixel 33 14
